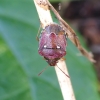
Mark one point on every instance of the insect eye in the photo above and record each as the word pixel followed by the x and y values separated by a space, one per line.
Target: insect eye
pixel 58 47
pixel 45 46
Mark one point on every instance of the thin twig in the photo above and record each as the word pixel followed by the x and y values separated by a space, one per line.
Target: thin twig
pixel 46 19
pixel 64 81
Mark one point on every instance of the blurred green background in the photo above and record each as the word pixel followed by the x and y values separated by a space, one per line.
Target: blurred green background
pixel 20 62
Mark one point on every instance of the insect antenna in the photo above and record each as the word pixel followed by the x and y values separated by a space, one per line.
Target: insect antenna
pixel 42 71
pixel 64 73
pixel 37 37
pixel 59 6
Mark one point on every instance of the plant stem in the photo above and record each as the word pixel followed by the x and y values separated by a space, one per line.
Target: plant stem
pixel 64 81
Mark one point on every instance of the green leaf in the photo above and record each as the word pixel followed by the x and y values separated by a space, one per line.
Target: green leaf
pixel 20 62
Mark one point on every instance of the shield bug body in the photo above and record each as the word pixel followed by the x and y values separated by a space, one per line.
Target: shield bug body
pixel 52 43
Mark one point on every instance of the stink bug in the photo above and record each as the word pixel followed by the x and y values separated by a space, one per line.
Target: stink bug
pixel 52 43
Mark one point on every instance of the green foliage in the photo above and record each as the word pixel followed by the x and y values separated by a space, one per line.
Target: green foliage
pixel 20 62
